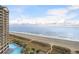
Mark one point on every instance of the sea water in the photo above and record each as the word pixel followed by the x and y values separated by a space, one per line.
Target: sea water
pixel 60 31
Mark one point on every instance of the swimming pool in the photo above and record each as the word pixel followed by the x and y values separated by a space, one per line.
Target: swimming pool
pixel 14 49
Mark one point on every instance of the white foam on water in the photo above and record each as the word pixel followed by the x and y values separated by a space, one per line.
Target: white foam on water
pixel 41 35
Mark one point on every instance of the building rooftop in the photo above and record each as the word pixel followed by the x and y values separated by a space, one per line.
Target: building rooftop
pixel 4 7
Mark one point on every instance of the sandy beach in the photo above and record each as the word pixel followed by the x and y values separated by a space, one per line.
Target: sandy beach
pixel 73 45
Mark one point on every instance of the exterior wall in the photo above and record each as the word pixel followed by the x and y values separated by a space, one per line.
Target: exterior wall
pixel 4 28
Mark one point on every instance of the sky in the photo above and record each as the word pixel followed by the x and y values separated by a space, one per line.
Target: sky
pixel 44 14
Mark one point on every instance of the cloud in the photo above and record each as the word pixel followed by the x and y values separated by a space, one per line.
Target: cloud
pixel 58 17
pixel 74 7
pixel 57 12
pixel 48 20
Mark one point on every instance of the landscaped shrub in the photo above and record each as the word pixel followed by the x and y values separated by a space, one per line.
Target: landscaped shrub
pixel 33 49
pixel 77 52
pixel 60 50
pixel 37 51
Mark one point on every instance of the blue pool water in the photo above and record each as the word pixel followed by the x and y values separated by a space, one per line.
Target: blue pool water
pixel 14 49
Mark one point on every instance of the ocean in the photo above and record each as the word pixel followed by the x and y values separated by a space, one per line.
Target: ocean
pixel 59 31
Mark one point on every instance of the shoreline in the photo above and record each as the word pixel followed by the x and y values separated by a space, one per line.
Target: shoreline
pixel 52 37
pixel 73 45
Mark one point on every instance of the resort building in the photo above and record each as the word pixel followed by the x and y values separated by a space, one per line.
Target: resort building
pixel 4 29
